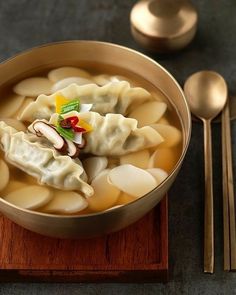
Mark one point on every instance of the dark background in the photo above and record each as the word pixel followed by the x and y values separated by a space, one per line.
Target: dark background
pixel 27 23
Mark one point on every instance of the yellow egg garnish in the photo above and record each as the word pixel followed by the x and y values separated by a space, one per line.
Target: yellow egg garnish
pixel 85 125
pixel 60 101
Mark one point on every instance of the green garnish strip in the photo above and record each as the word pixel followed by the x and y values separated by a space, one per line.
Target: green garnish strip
pixel 66 133
pixel 73 105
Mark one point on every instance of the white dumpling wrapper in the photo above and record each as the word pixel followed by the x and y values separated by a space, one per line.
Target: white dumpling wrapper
pixel 114 134
pixel 25 151
pixel 103 79
pixel 114 97
pixel 67 81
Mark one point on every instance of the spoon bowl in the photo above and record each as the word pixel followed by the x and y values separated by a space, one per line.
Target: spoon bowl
pixel 206 93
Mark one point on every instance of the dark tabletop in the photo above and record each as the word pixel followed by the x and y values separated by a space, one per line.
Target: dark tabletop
pixel 26 23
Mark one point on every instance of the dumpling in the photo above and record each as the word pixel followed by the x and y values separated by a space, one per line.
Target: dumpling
pixel 25 151
pixel 103 79
pixel 113 134
pixel 115 97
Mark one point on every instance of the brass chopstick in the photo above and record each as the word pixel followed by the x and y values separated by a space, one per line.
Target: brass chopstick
pixel 230 186
pixel 226 230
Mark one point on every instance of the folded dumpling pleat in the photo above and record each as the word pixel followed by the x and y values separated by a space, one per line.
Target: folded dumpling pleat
pixel 114 97
pixel 25 151
pixel 114 134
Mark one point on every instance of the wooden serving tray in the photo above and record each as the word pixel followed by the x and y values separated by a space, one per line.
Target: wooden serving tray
pixel 138 253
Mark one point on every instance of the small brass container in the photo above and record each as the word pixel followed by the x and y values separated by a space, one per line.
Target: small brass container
pixel 163 25
pixel 88 54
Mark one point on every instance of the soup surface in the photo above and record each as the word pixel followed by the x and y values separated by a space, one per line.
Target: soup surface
pixel 76 141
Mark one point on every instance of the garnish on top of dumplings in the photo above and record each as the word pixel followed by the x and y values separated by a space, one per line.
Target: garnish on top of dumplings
pixel 25 151
pixel 65 133
pixel 72 127
pixel 114 97
pixel 114 134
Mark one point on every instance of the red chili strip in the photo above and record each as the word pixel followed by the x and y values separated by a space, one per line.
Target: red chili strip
pixel 78 129
pixel 73 120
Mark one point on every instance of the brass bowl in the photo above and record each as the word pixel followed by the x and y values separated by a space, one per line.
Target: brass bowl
pixel 92 52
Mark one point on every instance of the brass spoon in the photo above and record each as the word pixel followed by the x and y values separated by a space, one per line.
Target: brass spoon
pixel 206 93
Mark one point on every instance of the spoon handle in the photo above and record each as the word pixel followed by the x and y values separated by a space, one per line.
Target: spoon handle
pixel 209 215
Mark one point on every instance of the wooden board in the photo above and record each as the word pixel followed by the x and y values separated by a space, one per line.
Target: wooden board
pixel 138 253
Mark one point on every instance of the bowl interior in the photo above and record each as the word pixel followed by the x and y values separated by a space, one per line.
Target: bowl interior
pixel 109 58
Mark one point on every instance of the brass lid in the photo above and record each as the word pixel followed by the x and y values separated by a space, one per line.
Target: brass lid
pixel 163 25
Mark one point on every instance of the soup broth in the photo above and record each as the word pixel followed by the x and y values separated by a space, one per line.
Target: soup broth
pixel 116 179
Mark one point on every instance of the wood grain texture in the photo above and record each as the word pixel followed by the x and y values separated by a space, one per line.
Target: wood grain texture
pixel 138 253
